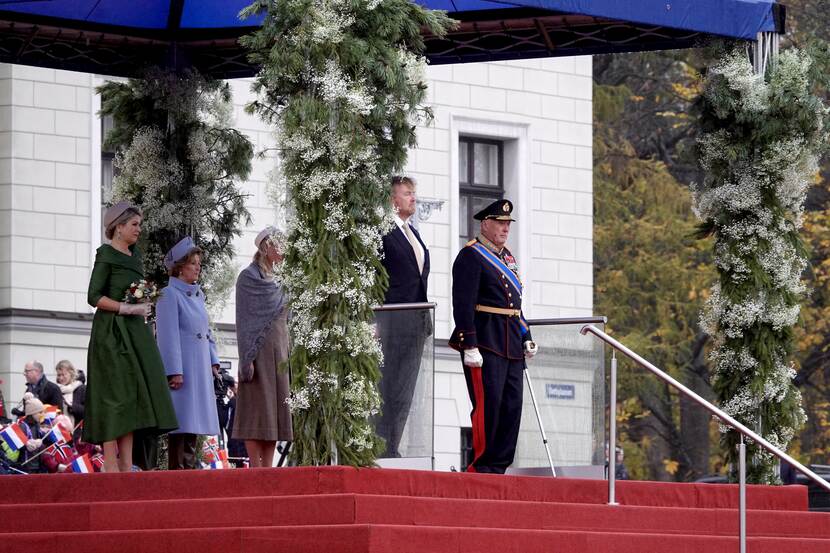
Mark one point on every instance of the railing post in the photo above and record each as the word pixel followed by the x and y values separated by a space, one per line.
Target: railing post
pixel 742 494
pixel 612 438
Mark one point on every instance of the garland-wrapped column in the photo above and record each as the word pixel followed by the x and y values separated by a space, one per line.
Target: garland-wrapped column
pixel 759 150
pixel 343 82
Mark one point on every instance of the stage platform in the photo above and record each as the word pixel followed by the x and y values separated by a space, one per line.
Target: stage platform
pixel 341 509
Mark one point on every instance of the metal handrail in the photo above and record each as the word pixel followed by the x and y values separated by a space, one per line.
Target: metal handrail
pixel 703 403
pixel 403 306
pixel 567 321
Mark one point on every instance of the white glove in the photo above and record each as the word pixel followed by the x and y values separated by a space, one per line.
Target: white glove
pixel 62 467
pixel 143 309
pixel 34 444
pixel 473 358
pixel 531 349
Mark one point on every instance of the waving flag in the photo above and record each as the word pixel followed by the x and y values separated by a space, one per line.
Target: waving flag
pixel 50 413
pixel 97 462
pixel 217 465
pixel 64 453
pixel 82 465
pixel 57 435
pixel 14 436
pixel 212 454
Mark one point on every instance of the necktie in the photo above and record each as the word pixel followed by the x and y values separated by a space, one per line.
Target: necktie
pixel 416 247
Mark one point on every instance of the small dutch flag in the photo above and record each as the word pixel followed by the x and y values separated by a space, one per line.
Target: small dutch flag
pixel 57 435
pixel 14 436
pixel 50 413
pixel 81 465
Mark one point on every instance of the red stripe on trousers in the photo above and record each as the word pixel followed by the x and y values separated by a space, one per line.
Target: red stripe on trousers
pixel 479 435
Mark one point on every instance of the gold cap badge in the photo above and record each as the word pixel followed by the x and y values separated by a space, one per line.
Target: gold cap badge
pixel 505 207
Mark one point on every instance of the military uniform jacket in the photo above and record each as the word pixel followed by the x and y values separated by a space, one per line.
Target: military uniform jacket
pixel 483 277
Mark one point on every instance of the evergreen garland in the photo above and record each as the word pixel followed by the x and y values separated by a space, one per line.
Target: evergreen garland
pixel 762 135
pixel 179 159
pixel 342 81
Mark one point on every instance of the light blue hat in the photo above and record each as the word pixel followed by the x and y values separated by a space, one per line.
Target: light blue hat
pixel 178 252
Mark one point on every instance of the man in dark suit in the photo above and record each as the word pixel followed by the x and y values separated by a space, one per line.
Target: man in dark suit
pixel 493 337
pixel 43 389
pixel 402 333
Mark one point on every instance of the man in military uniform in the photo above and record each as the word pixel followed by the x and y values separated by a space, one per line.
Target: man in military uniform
pixel 492 336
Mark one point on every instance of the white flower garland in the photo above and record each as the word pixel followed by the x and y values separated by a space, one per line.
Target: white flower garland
pixel 753 200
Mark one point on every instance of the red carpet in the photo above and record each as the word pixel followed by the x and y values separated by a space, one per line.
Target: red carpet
pixel 338 509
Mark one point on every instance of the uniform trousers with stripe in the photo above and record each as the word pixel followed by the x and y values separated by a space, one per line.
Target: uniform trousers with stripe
pixel 495 390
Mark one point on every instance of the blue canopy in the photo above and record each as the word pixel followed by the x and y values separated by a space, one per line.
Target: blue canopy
pixel 119 36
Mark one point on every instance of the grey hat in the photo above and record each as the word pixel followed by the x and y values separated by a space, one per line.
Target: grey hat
pixel 178 252
pixel 263 234
pixel 115 211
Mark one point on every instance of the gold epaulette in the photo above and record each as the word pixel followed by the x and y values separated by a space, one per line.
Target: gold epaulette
pixel 471 242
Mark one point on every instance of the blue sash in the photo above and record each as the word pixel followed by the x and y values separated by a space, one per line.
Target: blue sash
pixel 499 265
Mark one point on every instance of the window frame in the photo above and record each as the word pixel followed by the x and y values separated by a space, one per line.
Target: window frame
pixel 469 190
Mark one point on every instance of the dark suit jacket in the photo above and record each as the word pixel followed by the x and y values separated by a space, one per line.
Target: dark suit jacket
pixel 405 284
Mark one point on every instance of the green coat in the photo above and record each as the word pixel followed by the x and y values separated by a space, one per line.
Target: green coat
pixel 126 384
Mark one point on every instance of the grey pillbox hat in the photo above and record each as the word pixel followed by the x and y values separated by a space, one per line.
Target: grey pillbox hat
pixel 114 212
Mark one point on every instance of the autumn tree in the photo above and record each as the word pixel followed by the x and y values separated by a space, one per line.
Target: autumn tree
pixel 650 273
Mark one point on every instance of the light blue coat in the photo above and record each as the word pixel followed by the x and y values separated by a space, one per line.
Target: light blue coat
pixel 187 348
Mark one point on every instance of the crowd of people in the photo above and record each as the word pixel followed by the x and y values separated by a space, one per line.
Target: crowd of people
pixel 144 382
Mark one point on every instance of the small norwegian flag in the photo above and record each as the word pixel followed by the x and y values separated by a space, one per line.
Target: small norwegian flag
pixel 82 465
pixel 97 462
pixel 14 436
pixel 57 435
pixel 64 453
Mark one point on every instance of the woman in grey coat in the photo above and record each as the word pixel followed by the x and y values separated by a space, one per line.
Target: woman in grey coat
pixel 262 416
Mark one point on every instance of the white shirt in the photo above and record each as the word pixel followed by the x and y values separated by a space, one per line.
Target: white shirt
pixel 415 244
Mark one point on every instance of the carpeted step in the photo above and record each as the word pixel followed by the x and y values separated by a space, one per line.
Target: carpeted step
pixel 82 488
pixel 330 509
pixel 398 539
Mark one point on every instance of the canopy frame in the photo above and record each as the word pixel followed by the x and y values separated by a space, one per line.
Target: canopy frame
pixel 483 35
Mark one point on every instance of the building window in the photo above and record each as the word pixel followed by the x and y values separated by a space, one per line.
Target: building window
pixel 466 448
pixel 481 180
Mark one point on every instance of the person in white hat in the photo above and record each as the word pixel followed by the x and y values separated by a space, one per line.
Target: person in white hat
pixel 262 417
pixel 30 423
pixel 126 385
pixel 188 350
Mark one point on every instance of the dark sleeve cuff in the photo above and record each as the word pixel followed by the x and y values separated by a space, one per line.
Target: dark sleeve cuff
pixel 463 339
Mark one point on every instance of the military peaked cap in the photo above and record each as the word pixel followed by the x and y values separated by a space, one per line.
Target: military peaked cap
pixel 500 210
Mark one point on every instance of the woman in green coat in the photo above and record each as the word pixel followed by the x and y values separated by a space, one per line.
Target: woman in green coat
pixel 126 385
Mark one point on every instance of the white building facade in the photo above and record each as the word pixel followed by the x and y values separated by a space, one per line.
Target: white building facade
pixel 520 129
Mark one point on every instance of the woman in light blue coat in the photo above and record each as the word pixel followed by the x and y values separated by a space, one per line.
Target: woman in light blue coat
pixel 189 353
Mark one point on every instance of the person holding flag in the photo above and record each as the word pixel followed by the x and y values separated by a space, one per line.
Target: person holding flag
pixel 30 423
pixel 62 452
pixel 493 337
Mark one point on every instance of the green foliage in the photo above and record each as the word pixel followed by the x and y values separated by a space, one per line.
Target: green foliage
pixel 759 149
pixel 342 81
pixel 179 159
